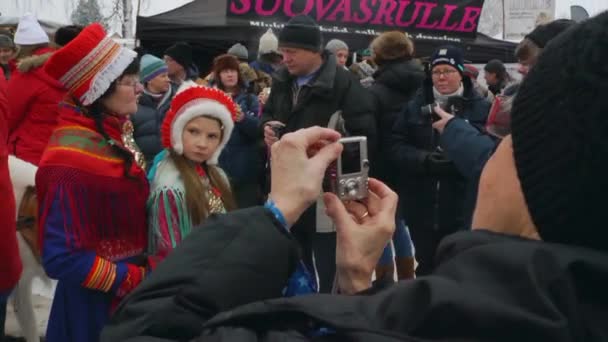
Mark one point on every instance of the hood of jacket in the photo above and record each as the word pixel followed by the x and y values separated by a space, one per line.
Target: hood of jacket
pixel 402 76
pixel 37 60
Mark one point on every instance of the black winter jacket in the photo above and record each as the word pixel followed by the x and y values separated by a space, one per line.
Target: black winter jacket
pixel 333 89
pixel 441 206
pixel 394 85
pixel 147 122
pixel 488 287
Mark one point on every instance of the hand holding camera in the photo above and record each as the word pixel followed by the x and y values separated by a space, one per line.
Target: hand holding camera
pixel 299 161
pixel 444 118
pixel 273 130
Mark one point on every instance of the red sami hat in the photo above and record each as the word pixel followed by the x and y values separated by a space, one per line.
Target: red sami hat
pixel 193 101
pixel 89 64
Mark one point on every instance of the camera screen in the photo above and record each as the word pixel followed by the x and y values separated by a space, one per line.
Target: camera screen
pixel 351 158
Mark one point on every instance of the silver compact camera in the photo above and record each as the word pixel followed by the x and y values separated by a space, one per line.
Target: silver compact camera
pixel 348 176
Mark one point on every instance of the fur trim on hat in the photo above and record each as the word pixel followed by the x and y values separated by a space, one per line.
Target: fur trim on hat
pixel 194 101
pixel 392 45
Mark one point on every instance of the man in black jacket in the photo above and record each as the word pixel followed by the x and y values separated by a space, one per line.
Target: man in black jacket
pixel 305 93
pixel 435 197
pixel 533 270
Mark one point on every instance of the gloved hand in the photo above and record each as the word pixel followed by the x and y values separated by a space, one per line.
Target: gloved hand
pixel 437 164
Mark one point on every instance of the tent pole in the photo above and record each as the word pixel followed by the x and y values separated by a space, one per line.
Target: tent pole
pixel 504 21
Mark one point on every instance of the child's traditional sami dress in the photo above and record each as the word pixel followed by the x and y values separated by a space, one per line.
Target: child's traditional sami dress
pixel 168 213
pixel 92 223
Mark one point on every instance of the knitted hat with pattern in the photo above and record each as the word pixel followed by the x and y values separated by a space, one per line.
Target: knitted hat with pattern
pixel 151 66
pixel 88 64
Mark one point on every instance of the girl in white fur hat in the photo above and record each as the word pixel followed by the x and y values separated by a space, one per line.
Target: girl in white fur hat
pixel 187 186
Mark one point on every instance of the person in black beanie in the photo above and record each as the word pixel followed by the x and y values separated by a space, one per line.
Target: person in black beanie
pixel 306 92
pixel 496 76
pixel 436 198
pixel 529 49
pixel 65 34
pixel 179 60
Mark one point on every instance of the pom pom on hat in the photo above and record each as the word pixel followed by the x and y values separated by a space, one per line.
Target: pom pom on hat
pixel 29 31
pixel 88 64
pixel 194 101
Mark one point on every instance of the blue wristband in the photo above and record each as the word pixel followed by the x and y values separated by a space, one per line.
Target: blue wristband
pixel 276 212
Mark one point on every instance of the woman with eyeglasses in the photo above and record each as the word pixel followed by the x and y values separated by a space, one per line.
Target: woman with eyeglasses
pixel 91 191
pixel 435 197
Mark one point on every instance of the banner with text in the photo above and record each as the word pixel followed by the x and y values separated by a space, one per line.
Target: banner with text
pixel 522 16
pixel 451 20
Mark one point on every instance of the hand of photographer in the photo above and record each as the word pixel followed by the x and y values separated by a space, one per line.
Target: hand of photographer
pixel 299 161
pixel 445 118
pixel 269 135
pixel 363 230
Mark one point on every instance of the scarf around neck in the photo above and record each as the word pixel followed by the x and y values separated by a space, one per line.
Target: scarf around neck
pixel 443 99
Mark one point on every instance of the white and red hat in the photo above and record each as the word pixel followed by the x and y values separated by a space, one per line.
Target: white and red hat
pixel 89 64
pixel 191 102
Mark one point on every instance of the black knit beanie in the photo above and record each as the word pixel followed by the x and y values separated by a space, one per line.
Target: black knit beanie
pixel 65 34
pixel 495 66
pixel 559 131
pixel 542 34
pixel 301 32
pixel 181 53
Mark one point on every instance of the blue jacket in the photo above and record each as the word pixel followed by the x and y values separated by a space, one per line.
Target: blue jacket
pixel 241 158
pixel 265 67
pixel 470 150
pixel 440 201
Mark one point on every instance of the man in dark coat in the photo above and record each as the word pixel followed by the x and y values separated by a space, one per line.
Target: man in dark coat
pixel 534 268
pixel 305 93
pixel 435 197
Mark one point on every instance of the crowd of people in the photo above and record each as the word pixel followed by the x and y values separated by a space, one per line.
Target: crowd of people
pixel 179 206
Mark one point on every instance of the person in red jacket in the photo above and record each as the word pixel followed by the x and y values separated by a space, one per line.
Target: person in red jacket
pixel 10 262
pixel 33 95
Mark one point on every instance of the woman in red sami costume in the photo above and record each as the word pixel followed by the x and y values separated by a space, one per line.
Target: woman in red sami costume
pixel 91 193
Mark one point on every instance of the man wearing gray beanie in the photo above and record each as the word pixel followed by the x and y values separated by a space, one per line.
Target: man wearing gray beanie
pixel 306 92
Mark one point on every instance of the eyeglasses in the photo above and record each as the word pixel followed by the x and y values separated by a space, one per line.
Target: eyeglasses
pixel 130 83
pixel 446 73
